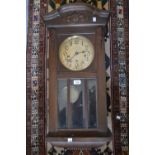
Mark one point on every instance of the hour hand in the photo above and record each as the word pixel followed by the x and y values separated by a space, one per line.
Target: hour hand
pixel 76 53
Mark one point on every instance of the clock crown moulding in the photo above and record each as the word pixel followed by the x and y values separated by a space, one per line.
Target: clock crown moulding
pixel 76 15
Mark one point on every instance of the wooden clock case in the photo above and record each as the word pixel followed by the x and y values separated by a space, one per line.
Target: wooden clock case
pixel 68 20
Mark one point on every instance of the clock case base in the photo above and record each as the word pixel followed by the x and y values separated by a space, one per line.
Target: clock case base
pixel 80 139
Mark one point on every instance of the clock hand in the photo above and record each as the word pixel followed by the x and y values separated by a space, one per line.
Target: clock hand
pixel 83 52
pixel 76 53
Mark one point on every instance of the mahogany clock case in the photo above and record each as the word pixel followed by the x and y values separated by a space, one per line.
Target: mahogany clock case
pixel 58 30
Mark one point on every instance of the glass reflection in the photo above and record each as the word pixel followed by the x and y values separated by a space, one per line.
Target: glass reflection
pixel 76 95
pixel 62 102
pixel 77 100
pixel 92 103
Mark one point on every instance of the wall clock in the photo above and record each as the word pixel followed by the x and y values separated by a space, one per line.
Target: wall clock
pixel 76 53
pixel 76 77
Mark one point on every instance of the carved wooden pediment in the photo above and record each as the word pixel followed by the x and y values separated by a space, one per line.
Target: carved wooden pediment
pixel 76 14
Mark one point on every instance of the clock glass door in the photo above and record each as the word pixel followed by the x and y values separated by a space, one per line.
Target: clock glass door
pixel 77 98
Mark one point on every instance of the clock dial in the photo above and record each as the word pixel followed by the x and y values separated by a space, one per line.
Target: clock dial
pixel 76 53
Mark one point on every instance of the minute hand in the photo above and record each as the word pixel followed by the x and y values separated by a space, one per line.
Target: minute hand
pixel 83 52
pixel 76 53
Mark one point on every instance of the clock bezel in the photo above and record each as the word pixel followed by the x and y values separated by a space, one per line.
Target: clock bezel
pixel 61 36
pixel 63 43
